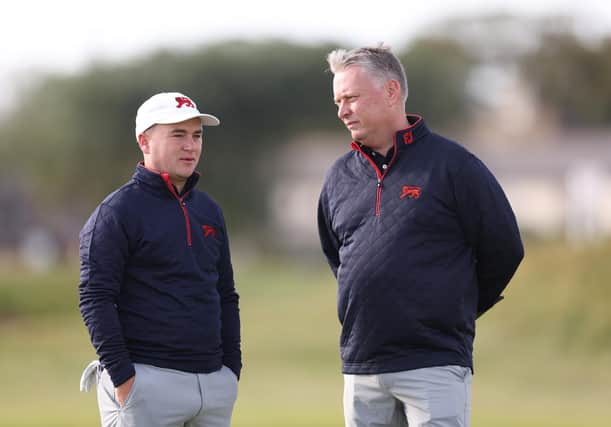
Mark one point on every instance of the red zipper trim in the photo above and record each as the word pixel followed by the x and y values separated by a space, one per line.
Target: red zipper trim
pixel 378 198
pixel 170 186
pixel 379 174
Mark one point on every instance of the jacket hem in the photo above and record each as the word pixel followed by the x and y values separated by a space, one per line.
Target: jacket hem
pixel 405 363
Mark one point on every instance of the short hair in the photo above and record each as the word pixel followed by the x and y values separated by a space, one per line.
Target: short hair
pixel 379 61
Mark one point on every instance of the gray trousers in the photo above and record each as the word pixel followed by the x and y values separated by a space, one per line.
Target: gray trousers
pixel 427 397
pixel 169 398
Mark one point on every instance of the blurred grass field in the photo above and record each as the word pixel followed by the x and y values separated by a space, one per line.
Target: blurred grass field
pixel 543 356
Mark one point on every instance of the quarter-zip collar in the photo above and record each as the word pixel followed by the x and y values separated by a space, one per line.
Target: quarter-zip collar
pixel 404 139
pixel 157 183
pixel 161 184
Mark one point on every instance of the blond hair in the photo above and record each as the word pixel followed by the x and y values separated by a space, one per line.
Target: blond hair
pixel 379 61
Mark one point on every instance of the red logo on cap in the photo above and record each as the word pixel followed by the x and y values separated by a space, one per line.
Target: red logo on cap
pixel 183 100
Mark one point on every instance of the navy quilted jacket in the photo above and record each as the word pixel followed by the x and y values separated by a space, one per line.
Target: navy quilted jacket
pixel 156 281
pixel 419 250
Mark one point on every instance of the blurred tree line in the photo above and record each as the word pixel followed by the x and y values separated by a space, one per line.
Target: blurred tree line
pixel 72 137
pixel 71 141
pixel 573 78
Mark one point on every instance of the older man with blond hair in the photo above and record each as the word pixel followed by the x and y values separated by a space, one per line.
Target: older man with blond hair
pixel 421 239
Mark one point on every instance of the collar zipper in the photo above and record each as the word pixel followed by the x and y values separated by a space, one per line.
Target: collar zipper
pixel 380 176
pixel 182 205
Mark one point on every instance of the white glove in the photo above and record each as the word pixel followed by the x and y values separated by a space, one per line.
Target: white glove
pixel 90 375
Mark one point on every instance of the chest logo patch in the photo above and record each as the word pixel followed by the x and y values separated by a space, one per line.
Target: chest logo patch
pixel 410 191
pixel 209 231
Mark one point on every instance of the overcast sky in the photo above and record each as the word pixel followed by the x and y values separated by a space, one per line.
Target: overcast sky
pixel 66 35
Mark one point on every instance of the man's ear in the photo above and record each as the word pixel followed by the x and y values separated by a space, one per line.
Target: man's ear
pixel 393 91
pixel 144 143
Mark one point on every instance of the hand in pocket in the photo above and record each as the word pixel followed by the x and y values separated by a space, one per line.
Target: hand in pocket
pixel 122 392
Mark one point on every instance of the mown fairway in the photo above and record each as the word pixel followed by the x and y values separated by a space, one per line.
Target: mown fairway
pixel 543 356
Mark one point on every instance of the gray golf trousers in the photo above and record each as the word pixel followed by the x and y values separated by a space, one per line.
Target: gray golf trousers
pixel 427 397
pixel 168 398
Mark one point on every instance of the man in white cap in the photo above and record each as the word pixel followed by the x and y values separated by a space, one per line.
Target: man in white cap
pixel 156 285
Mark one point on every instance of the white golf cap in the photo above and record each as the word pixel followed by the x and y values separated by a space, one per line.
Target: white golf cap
pixel 169 107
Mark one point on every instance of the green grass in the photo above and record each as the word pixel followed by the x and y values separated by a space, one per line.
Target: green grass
pixel 543 355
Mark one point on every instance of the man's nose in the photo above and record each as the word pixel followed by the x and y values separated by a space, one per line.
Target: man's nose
pixel 342 110
pixel 189 144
